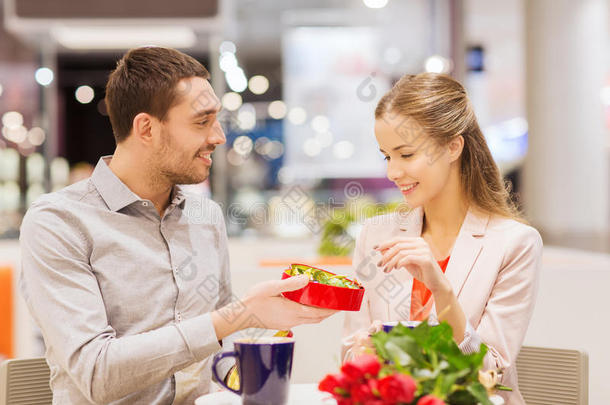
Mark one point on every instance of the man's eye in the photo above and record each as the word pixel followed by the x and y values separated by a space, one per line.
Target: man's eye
pixel 204 122
pixel 386 158
pixel 406 156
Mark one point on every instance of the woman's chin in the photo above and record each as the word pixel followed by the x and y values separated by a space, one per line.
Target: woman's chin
pixel 410 202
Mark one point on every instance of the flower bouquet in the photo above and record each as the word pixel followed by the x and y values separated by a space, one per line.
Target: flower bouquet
pixel 419 366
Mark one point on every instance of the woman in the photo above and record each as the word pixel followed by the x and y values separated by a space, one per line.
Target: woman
pixel 462 253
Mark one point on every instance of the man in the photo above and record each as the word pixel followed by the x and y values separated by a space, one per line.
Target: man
pixel 127 277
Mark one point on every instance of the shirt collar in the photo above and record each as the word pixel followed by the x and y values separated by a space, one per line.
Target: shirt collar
pixel 177 196
pixel 115 193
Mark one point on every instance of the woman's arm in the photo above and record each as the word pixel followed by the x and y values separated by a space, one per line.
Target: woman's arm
pixel 449 309
pixel 511 303
pixel 509 307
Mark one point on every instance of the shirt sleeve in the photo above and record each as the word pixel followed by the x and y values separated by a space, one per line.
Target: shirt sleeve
pixel 64 298
pixel 510 306
pixel 225 291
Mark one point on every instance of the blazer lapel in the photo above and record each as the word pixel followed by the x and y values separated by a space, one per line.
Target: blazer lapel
pixel 466 249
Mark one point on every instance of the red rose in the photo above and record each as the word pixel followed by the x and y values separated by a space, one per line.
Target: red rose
pixel 344 401
pixel 361 393
pixel 365 366
pixel 397 388
pixel 336 384
pixel 430 400
pixel 374 386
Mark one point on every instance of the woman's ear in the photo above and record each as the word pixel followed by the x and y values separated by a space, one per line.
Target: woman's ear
pixel 456 145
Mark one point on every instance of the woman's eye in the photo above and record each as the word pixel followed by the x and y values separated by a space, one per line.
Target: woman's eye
pixel 406 156
pixel 203 122
pixel 386 158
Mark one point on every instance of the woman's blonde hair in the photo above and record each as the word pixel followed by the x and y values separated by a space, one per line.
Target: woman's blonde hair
pixel 439 105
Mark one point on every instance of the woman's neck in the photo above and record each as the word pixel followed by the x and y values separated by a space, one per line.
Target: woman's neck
pixel 444 215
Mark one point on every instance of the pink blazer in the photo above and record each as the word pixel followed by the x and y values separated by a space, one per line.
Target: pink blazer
pixel 493 269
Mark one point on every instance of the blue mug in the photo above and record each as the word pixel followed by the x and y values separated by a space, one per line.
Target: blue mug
pixel 388 326
pixel 264 367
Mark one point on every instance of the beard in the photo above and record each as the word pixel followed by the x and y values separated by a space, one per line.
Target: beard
pixel 176 166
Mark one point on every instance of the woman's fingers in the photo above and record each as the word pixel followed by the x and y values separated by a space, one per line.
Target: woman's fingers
pixel 376 326
pixel 402 239
pixel 392 262
pixel 394 250
pixel 409 260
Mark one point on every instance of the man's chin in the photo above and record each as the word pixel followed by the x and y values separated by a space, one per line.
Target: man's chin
pixel 191 178
pixel 197 180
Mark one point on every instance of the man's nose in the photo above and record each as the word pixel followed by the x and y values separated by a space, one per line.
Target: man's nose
pixel 218 135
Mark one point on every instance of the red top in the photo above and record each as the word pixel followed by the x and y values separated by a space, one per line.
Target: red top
pixel 420 296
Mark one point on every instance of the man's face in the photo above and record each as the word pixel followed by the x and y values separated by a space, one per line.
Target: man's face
pixel 189 134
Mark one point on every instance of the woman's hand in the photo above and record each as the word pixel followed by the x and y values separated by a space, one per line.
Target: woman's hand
pixel 414 255
pixel 362 341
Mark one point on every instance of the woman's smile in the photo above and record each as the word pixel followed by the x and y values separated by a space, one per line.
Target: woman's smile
pixel 407 188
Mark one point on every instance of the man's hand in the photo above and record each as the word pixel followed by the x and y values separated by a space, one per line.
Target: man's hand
pixel 264 307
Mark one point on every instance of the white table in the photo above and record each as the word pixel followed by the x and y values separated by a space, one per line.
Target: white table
pixel 300 394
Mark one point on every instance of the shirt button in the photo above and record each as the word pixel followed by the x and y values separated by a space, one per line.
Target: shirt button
pixel 145 204
pixel 178 316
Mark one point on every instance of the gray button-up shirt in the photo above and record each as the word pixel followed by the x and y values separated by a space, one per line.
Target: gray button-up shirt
pixel 123 296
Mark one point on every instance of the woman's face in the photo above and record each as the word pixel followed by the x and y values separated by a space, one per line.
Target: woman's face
pixel 418 165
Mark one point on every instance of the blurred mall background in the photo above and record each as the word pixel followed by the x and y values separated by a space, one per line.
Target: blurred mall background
pixel 299 81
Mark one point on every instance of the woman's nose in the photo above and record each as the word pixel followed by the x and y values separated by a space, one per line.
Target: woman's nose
pixel 394 173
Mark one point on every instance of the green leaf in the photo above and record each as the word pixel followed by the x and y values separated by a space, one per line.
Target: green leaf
pixel 440 333
pixel 461 397
pixel 379 340
pixel 425 374
pixel 480 393
pixel 410 346
pixel 446 382
pixel 398 355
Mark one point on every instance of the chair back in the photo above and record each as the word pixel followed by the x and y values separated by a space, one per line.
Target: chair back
pixel 25 382
pixel 553 376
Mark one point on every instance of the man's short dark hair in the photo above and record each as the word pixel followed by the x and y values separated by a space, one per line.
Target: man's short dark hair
pixel 145 80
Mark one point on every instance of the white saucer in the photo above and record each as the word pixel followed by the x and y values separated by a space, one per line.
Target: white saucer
pixel 300 394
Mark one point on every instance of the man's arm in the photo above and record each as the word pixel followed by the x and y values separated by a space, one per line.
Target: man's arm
pixel 64 298
pixel 225 290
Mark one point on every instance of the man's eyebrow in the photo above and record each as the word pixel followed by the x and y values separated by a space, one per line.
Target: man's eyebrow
pixel 396 148
pixel 209 111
